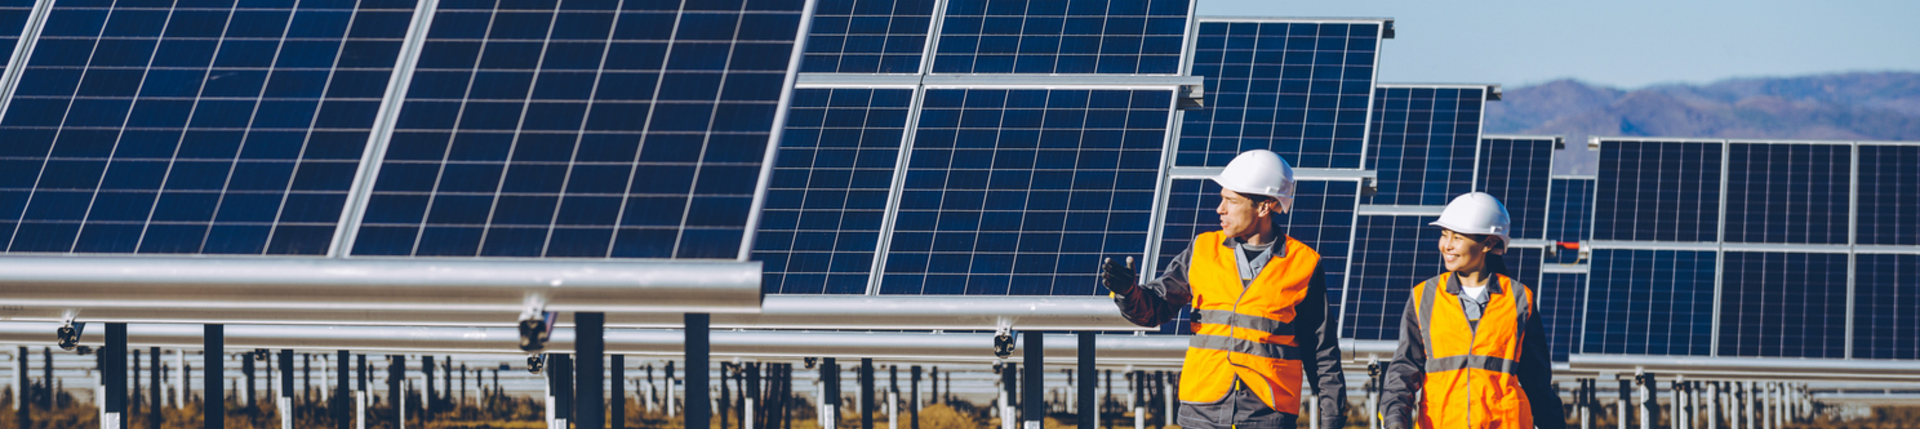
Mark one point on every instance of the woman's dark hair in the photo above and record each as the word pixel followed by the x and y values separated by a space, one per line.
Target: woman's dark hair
pixel 1497 263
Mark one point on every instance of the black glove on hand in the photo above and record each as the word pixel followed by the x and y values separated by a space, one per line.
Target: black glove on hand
pixel 1119 278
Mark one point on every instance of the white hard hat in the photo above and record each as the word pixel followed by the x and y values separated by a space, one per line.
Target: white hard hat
pixel 1259 172
pixel 1477 213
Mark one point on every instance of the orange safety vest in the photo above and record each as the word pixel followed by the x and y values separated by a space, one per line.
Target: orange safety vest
pixel 1245 331
pixel 1472 374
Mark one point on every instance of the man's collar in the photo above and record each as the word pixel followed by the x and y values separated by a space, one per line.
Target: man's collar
pixel 1279 244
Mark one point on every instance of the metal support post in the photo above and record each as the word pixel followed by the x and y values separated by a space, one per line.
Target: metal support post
pixel 337 402
pixel 283 405
pixel 562 366
pixel 590 349
pixel 617 372
pixel 755 410
pixel 361 396
pixel 667 387
pixel 396 371
pixel 913 400
pixel 866 393
pixel 1033 401
pixel 22 408
pixel 1649 399
pixel 830 383
pixel 1713 404
pixel 113 377
pixel 213 376
pixel 1583 401
pixel 698 413
pixel 1626 399
pixel 1089 408
pixel 1746 405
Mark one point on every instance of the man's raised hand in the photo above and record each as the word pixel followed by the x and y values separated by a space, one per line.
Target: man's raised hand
pixel 1117 277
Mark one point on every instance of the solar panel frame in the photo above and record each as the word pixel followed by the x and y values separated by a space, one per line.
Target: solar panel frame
pixel 1649 220
pixel 1439 177
pixel 1887 192
pixel 895 233
pixel 790 261
pixel 613 249
pixel 1782 304
pixel 1692 319
pixel 304 36
pixel 1523 183
pixel 1883 321
pixel 1298 158
pixel 1789 192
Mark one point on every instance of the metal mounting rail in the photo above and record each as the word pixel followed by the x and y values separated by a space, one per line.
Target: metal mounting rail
pixel 1740 368
pixel 227 290
pixel 846 312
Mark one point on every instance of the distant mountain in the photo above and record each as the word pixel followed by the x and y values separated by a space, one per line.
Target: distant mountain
pixel 1844 106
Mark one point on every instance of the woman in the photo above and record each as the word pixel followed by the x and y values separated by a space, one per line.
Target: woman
pixel 1471 342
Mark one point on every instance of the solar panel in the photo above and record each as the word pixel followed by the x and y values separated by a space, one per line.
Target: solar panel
pixel 1784 305
pixel 1886 293
pixel 868 36
pixel 1322 218
pixel 1023 191
pixel 1658 191
pixel 822 221
pixel 1059 37
pixel 1569 208
pixel 1889 202
pixel 1561 302
pixel 1516 170
pixel 1650 302
pixel 1789 193
pixel 1391 254
pixel 1300 88
pixel 196 127
pixel 1425 141
pixel 583 129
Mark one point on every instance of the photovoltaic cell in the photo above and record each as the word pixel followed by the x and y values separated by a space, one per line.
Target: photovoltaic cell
pixel 1889 203
pixel 868 36
pixel 1784 305
pixel 1023 191
pixel 1050 36
pixel 1886 295
pixel 1658 191
pixel 1322 218
pixel 1649 302
pixel 821 223
pixel 1300 89
pixel 583 129
pixel 1560 303
pixel 1516 171
pixel 1425 140
pixel 193 127
pixel 1788 193
pixel 13 19
pixel 1391 254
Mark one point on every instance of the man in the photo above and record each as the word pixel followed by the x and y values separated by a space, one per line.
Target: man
pixel 1260 318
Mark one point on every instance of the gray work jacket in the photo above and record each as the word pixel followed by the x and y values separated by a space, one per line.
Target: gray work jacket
pixel 1160 300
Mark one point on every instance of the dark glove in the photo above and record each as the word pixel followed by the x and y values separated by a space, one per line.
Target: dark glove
pixel 1119 278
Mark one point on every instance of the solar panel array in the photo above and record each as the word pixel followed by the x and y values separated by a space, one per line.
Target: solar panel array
pixel 919 147
pixel 1785 239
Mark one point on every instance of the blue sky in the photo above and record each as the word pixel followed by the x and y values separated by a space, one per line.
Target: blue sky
pixel 1621 43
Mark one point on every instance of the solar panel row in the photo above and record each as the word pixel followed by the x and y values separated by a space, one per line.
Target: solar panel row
pixel 1300 88
pixel 1769 266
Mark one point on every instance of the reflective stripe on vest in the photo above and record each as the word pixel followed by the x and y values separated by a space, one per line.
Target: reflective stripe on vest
pixel 1472 374
pixel 1243 330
